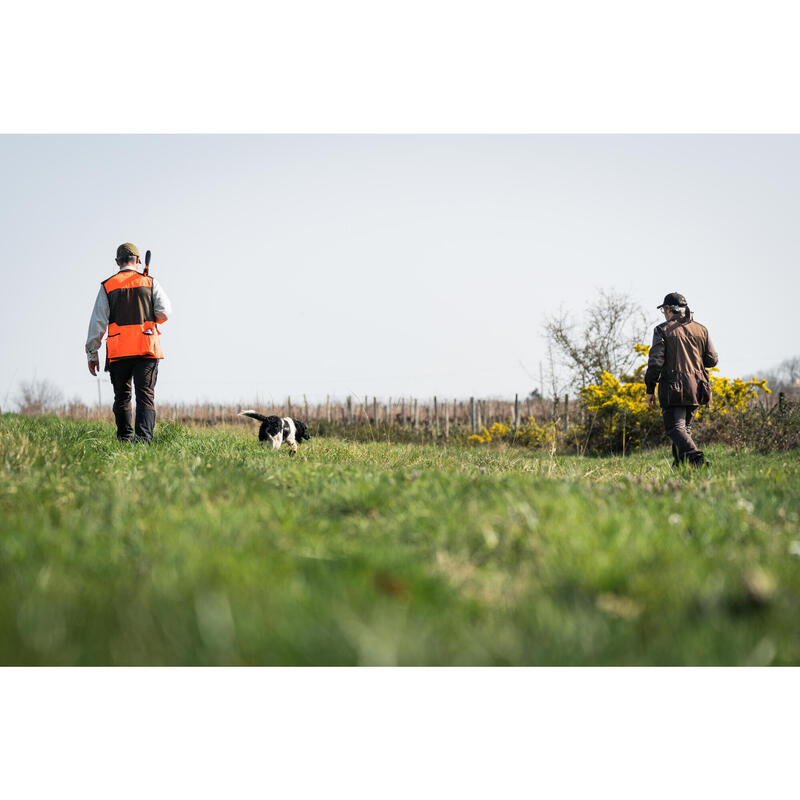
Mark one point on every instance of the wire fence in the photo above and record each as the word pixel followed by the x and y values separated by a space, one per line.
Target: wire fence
pixel 436 415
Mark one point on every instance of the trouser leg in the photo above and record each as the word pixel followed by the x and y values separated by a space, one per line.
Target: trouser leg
pixel 677 423
pixel 697 457
pixel 121 372
pixel 689 417
pixel 145 373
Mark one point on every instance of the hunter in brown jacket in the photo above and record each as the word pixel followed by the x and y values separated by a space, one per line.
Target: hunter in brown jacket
pixel 679 357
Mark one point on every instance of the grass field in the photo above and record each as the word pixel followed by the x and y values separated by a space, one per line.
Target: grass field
pixel 206 549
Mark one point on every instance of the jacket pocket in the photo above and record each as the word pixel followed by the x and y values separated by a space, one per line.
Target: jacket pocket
pixel 703 391
pixel 676 390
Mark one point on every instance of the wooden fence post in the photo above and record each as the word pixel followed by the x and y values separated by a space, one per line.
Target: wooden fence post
pixel 566 411
pixel 435 416
pixel 375 411
pixel 404 421
pixel 416 414
pixel 349 410
pixel 516 411
pixel 473 420
pixel 328 408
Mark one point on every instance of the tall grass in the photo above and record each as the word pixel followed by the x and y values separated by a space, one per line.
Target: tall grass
pixel 206 549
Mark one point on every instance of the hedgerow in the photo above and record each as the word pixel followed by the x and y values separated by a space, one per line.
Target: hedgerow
pixel 617 418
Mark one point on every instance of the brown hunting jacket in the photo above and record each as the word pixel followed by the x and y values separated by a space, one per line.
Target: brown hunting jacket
pixel 679 357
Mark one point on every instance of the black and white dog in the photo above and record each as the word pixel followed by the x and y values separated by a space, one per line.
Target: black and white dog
pixel 278 430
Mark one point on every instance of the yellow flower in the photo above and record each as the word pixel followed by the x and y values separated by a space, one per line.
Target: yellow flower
pixel 621 414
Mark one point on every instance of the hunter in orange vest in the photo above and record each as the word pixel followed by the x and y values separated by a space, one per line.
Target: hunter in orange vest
pixel 129 305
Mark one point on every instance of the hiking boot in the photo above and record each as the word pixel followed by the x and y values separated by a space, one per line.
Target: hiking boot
pixel 698 459
pixel 124 427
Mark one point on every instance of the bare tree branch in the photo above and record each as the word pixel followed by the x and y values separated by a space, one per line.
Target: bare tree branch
pixel 612 325
pixel 786 376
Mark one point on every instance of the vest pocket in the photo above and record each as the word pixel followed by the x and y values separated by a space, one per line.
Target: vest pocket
pixel 141 339
pixel 112 345
pixel 150 340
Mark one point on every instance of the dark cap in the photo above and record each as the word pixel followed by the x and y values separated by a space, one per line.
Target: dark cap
pixel 674 299
pixel 125 251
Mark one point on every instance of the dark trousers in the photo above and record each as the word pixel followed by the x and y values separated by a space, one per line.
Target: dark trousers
pixel 144 372
pixel 678 424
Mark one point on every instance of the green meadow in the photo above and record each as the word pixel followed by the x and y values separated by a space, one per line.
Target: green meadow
pixel 205 549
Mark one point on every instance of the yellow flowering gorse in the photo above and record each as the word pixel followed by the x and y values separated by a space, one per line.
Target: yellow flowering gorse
pixel 619 417
pixel 530 433
pixel 731 395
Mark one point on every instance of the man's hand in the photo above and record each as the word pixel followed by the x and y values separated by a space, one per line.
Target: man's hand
pixel 651 401
pixel 93 367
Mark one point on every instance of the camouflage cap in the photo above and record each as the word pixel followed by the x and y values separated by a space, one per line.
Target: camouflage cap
pixel 673 299
pixel 125 251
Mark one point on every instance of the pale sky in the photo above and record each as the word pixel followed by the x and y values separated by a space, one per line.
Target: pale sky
pixel 389 265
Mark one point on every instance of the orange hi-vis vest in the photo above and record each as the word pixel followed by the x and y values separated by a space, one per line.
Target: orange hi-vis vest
pixel 132 327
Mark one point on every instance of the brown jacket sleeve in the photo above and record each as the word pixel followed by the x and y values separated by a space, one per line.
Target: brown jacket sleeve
pixel 655 363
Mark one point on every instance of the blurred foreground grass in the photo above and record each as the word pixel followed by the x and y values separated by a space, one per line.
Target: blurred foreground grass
pixel 206 549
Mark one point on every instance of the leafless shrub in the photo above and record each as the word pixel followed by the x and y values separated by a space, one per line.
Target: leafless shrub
pixel 38 397
pixel 612 325
pixel 76 409
pixel 786 376
pixel 770 431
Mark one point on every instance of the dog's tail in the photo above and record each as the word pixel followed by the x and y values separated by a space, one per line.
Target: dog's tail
pixel 252 414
